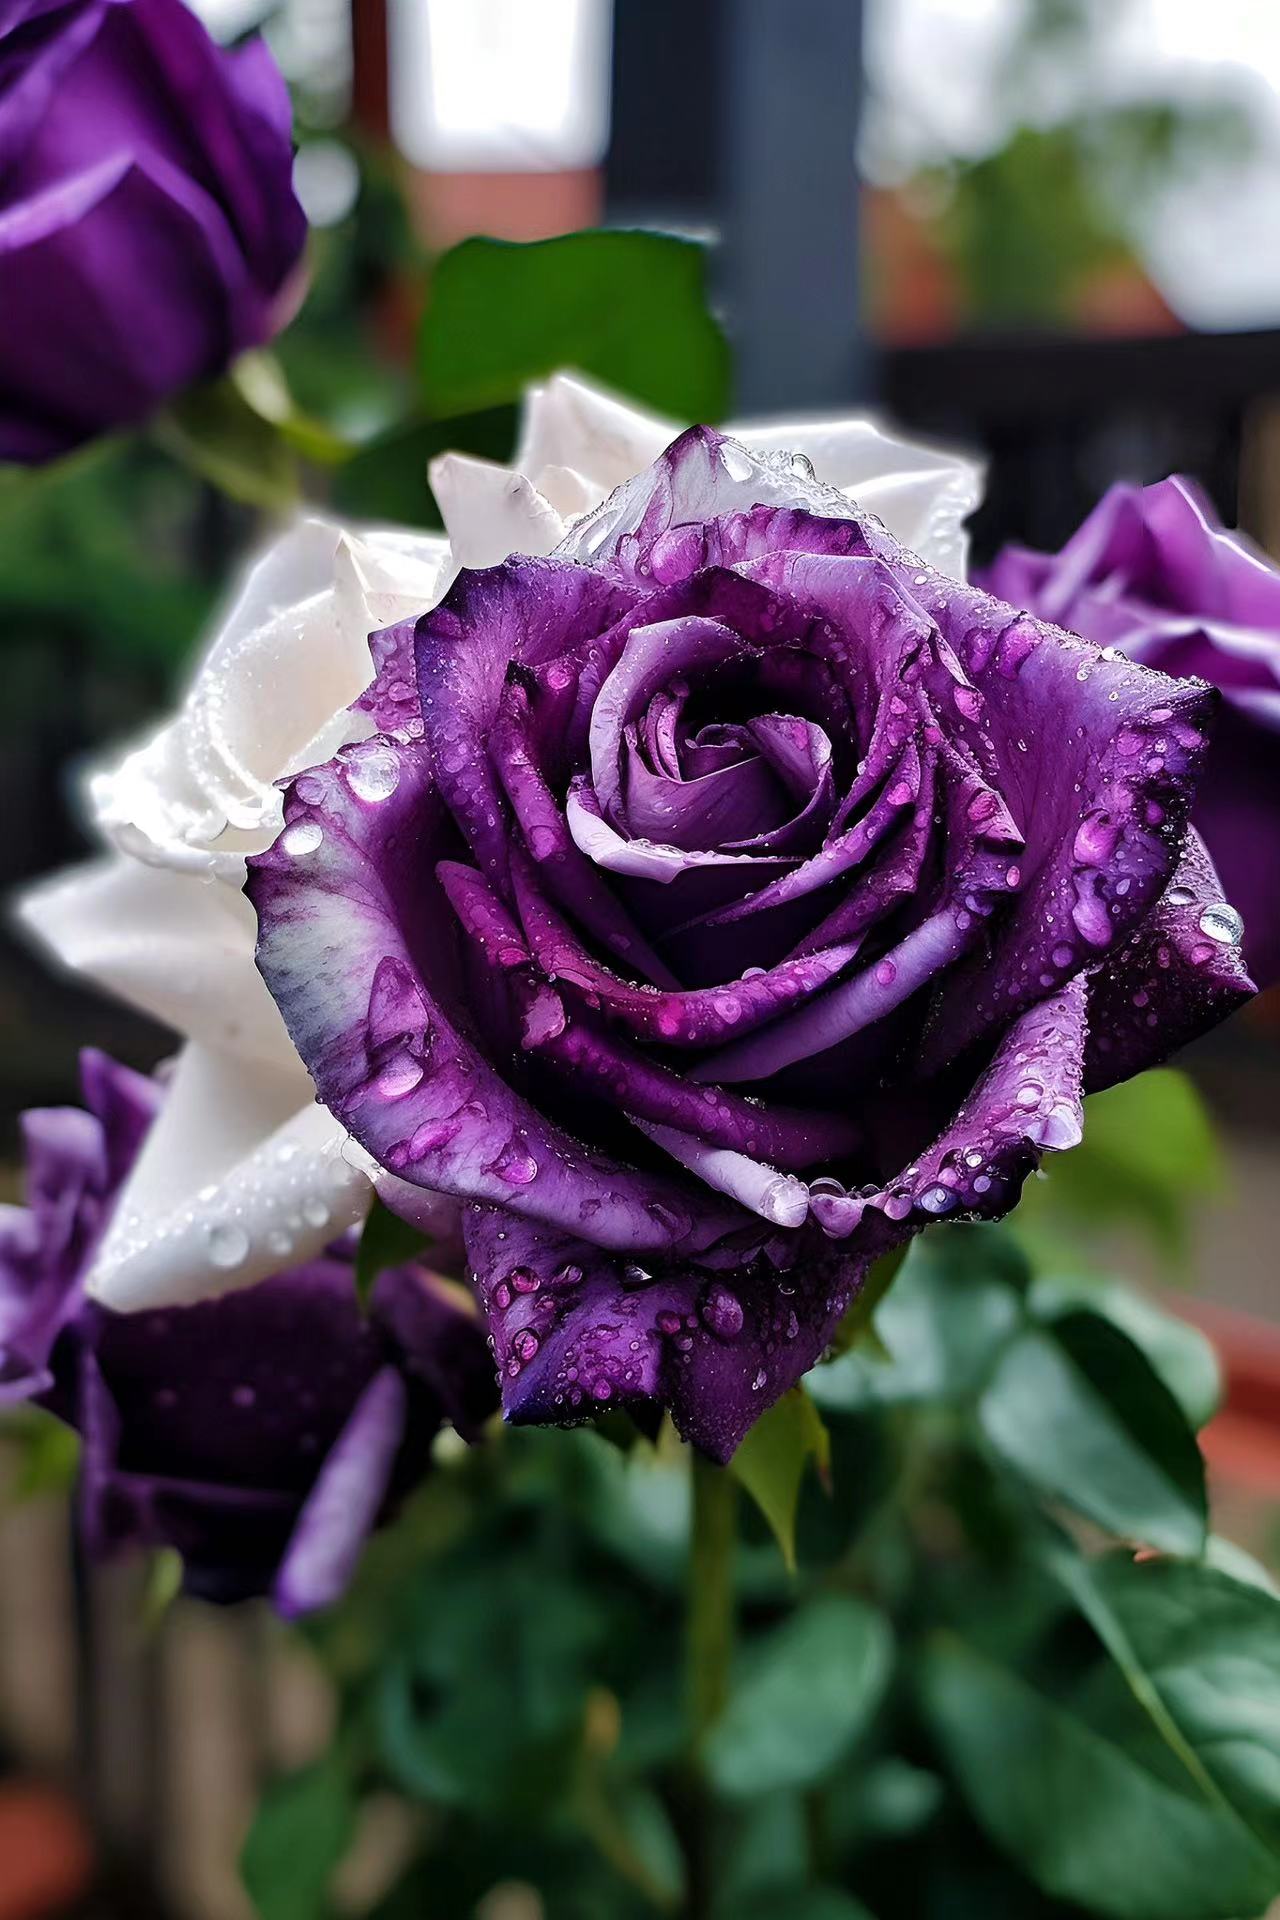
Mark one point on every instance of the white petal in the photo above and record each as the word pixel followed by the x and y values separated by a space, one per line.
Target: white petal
pixel 289 658
pixel 490 511
pixel 923 494
pixel 578 440
pixel 179 948
pixel 235 1181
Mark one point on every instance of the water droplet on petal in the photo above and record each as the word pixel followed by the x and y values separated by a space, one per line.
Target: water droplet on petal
pixel 736 461
pixel 373 774
pixel 228 1245
pixel 722 1312
pixel 1222 923
pixel 304 836
pixel 516 1165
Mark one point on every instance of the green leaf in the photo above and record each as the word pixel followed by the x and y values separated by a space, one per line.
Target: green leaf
pixel 805 1694
pixel 1091 1806
pixel 483 1707
pixel 626 308
pixel 770 1463
pixel 1148 1156
pixel 216 433
pixel 950 1309
pixel 1183 1357
pixel 1077 1411
pixel 633 1831
pixel 1200 1651
pixel 386 1241
pixel 387 479
pixel 303 1827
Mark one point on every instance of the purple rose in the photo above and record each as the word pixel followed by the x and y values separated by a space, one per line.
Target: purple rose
pixel 720 900
pixel 1152 572
pixel 147 218
pixel 264 1434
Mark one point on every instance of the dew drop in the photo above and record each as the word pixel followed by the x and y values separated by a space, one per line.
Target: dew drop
pixel 516 1165
pixel 722 1313
pixel 1223 924
pixel 736 461
pixel 304 836
pixel 374 775
pixel 228 1245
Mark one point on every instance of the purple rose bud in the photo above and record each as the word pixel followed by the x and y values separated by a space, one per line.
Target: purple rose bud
pixel 736 895
pixel 264 1434
pixel 148 223
pixel 1152 572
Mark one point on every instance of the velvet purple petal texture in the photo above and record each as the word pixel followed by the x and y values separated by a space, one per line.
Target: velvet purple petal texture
pixel 1152 573
pixel 262 1435
pixel 738 895
pixel 148 223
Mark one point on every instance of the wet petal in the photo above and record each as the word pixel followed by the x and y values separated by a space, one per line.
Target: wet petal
pixel 1181 973
pixel 575 1330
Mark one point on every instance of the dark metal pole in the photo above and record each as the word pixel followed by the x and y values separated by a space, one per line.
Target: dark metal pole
pixel 792 85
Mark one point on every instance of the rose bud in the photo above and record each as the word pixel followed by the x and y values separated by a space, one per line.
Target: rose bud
pixel 1152 572
pixel 148 224
pixel 736 895
pixel 263 1436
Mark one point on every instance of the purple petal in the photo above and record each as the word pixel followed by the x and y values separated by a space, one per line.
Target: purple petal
pixel 1152 572
pixel 575 1330
pixel 345 1501
pixel 1179 975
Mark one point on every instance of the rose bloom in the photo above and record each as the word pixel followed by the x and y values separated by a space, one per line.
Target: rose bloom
pixel 1152 572
pixel 148 224
pixel 722 898
pixel 241 1163
pixel 262 1436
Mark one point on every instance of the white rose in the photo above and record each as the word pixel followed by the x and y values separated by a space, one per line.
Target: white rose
pixel 243 1172
pixel 578 444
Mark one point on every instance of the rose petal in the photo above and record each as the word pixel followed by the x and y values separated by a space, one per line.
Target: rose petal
pixel 344 1502
pixel 1179 975
pixel 490 512
pixel 576 1331
pixel 233 1180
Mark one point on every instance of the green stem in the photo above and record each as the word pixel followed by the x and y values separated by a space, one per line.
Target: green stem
pixel 710 1616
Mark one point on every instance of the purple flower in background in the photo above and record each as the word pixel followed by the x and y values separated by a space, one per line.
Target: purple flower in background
pixel 719 901
pixel 1152 572
pixel 262 1435
pixel 148 223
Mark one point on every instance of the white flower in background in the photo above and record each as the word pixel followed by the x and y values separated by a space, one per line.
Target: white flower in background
pixel 243 1172
pixel 578 444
